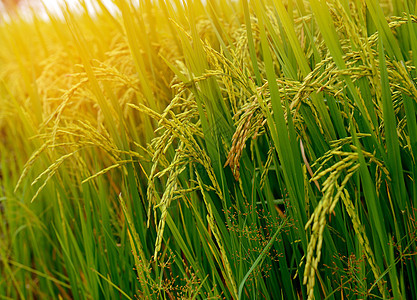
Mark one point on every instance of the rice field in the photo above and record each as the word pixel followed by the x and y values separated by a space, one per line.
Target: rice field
pixel 216 149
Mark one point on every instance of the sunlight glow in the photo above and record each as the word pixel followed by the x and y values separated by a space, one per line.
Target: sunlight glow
pixel 41 7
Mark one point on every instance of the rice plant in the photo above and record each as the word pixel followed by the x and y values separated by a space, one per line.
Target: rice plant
pixel 215 149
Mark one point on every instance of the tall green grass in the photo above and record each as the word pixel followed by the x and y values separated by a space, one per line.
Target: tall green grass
pixel 210 149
